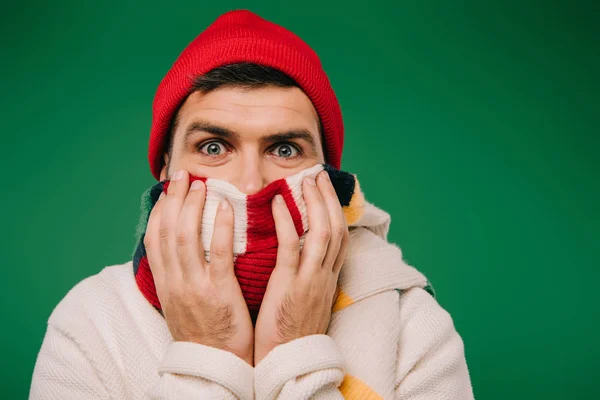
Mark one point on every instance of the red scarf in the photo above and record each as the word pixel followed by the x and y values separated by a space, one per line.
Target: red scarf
pixel 255 240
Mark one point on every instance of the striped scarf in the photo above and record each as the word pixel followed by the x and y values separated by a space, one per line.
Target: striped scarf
pixel 371 280
pixel 254 238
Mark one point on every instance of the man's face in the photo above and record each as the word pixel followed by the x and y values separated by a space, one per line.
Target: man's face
pixel 249 138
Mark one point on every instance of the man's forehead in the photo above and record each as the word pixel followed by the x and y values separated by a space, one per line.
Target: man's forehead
pixel 269 109
pixel 290 98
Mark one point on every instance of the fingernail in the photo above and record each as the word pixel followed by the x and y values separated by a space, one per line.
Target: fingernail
pixel 310 181
pixel 178 175
pixel 325 175
pixel 196 185
pixel 224 204
pixel 161 195
pixel 279 198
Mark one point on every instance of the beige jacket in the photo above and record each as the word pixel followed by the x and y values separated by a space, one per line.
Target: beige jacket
pixel 388 339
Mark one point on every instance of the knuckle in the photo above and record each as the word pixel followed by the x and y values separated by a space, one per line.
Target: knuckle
pixel 182 238
pixel 324 234
pixel 147 241
pixel 292 245
pixel 164 231
pixel 218 252
pixel 340 231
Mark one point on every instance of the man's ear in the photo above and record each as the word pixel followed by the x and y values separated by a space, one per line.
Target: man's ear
pixel 163 171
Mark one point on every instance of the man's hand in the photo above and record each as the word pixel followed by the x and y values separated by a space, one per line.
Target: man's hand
pixel 302 287
pixel 202 302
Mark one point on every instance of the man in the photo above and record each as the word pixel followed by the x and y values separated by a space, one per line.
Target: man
pixel 248 104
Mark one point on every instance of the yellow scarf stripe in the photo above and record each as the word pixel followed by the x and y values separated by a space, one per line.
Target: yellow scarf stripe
pixel 355 210
pixel 354 389
pixel 341 301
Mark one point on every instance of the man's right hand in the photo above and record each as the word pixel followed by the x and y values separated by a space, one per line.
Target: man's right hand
pixel 202 302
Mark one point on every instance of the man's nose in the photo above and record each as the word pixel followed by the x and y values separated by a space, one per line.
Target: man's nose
pixel 251 179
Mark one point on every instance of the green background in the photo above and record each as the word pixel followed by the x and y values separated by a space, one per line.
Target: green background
pixel 475 125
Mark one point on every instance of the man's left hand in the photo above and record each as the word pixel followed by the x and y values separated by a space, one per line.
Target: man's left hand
pixel 303 285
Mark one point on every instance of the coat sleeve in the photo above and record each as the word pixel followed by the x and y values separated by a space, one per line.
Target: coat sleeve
pixel 431 356
pixel 194 371
pixel 187 371
pixel 311 367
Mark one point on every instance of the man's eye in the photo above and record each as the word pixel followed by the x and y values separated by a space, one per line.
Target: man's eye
pixel 286 151
pixel 213 148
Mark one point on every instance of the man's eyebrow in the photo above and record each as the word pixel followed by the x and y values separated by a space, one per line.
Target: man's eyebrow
pixel 203 126
pixel 302 134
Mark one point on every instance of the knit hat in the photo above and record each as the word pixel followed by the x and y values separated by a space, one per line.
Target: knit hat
pixel 254 234
pixel 242 36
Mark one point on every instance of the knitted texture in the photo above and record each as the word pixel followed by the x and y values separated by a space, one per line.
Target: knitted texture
pixel 242 36
pixel 104 340
pixel 254 237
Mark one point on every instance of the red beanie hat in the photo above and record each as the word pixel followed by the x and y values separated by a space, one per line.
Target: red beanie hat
pixel 242 36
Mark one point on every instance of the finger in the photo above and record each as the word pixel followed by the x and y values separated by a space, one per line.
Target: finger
pixel 152 244
pixel 341 256
pixel 319 233
pixel 221 246
pixel 169 239
pixel 288 242
pixel 191 254
pixel 339 230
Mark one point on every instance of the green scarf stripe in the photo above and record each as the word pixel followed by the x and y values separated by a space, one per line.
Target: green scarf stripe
pixel 428 288
pixel 147 203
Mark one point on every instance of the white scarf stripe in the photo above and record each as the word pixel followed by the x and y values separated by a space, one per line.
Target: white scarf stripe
pixel 217 190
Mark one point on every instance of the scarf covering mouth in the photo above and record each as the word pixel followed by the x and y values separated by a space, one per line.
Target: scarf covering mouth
pixel 254 236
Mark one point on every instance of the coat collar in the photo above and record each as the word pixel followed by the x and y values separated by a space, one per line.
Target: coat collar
pixel 372 264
